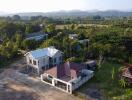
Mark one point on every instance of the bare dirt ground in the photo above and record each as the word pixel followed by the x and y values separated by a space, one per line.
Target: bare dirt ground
pixel 17 86
pixel 94 92
pixel 14 85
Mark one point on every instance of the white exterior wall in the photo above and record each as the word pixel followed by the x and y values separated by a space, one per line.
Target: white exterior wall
pixel 44 61
pixel 56 79
pixel 89 73
pixel 57 56
pixel 28 58
pixel 69 84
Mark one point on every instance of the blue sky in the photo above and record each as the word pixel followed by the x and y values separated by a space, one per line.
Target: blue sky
pixel 13 6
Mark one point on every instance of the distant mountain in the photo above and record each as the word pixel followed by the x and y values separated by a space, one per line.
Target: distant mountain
pixel 77 13
pixel 3 13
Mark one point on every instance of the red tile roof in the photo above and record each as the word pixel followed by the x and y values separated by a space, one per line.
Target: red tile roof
pixel 67 69
pixel 127 65
pixel 127 72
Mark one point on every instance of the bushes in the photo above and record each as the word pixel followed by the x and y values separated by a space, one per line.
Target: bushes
pixel 74 59
pixel 29 44
pixel 3 61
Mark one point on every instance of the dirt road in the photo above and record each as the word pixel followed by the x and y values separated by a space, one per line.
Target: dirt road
pixel 17 86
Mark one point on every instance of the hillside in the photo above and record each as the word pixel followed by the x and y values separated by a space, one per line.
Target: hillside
pixel 77 13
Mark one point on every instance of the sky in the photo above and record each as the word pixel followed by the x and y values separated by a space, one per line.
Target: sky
pixel 15 6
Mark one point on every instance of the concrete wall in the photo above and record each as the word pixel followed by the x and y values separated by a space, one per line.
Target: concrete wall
pixel 83 80
pixel 70 87
pixel 54 80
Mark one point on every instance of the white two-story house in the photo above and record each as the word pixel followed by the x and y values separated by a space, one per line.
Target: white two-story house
pixel 43 59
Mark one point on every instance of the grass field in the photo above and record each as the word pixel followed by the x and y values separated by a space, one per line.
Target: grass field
pixel 85 25
pixel 109 86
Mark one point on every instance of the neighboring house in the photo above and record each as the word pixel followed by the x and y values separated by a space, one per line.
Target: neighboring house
pixel 84 42
pixel 36 36
pixel 73 36
pixel 91 65
pixel 67 77
pixel 127 73
pixel 43 59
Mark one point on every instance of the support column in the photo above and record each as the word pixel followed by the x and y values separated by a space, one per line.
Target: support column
pixel 41 77
pixel 53 82
pixel 69 88
pixel 38 71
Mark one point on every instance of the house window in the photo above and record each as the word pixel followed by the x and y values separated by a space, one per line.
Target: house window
pixel 43 59
pixel 43 68
pixel 38 62
pixel 54 60
pixel 68 88
pixel 30 61
pixel 34 62
pixel 47 66
pixel 60 58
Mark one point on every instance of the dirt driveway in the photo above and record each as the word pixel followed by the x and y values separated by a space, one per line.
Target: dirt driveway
pixel 17 86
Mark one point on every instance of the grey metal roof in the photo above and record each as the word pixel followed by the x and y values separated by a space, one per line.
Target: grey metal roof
pixel 50 52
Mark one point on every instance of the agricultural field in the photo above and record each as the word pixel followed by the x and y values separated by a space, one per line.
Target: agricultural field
pixel 79 25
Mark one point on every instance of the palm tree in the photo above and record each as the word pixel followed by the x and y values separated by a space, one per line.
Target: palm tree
pixel 123 82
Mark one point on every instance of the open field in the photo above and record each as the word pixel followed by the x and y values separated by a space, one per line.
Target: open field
pixel 78 25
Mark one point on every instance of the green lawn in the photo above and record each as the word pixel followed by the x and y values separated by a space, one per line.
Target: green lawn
pixel 109 87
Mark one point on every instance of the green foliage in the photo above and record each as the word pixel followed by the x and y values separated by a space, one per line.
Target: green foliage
pixel 30 28
pixel 113 73
pixel 123 83
pixel 18 40
pixel 109 87
pixel 50 28
pixel 100 49
pixel 74 59
pixel 9 29
pixel 9 50
pixel 29 44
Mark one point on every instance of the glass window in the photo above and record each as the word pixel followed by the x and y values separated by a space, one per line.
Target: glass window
pixel 60 58
pixel 30 61
pixel 43 68
pixel 38 62
pixel 54 60
pixel 34 62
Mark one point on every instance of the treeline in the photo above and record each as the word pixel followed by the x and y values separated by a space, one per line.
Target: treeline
pixel 113 41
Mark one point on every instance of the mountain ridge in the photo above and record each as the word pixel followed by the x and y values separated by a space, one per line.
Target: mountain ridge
pixel 75 13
